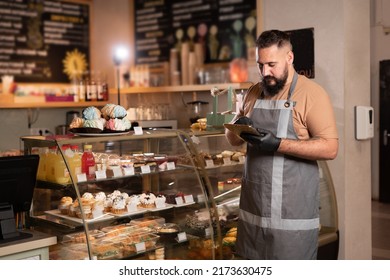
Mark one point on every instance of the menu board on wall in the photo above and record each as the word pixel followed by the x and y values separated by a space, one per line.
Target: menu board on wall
pixel 44 41
pixel 303 47
pixel 226 29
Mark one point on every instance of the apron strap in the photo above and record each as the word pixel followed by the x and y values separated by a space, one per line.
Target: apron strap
pixel 291 89
pixel 292 86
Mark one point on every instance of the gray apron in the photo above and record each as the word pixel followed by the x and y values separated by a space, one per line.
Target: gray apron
pixel 279 203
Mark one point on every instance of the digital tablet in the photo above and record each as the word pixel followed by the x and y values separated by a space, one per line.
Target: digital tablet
pixel 240 128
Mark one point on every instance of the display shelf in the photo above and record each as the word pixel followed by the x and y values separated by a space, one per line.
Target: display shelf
pixel 57 186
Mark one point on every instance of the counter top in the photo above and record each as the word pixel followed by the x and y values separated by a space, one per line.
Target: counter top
pixel 38 240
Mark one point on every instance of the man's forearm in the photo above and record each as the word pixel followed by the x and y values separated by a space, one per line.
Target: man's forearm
pixel 313 149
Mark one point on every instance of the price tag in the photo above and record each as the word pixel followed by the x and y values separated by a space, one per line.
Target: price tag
pixel 181 237
pixel 117 171
pixel 207 231
pixel 241 159
pixel 100 174
pixel 189 198
pixel 227 161
pixel 138 130
pixel 160 204
pixel 145 169
pixel 209 163
pixel 128 171
pixel 131 207
pixel 97 212
pixel 179 200
pixel 81 177
pixel 163 166
pixel 140 247
pixel 171 165
pixel 195 139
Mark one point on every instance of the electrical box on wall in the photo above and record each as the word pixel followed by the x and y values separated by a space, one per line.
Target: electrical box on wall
pixel 364 122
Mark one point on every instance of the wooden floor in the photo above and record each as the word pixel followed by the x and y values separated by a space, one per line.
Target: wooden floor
pixel 380 231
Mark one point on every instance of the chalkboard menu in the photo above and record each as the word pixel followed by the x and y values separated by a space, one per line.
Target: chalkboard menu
pixel 226 29
pixel 302 41
pixel 44 41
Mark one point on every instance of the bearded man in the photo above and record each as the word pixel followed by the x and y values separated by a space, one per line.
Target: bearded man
pixel 295 123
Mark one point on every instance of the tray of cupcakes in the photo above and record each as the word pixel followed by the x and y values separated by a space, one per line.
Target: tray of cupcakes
pixel 103 206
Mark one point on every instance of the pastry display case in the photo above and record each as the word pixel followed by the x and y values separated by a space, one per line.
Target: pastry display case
pixel 180 197
pixel 145 198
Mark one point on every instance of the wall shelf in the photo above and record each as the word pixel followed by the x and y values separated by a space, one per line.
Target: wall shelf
pixel 13 105
pixel 7 100
pixel 185 88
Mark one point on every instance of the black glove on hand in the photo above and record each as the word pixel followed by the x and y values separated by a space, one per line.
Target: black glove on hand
pixel 244 120
pixel 266 140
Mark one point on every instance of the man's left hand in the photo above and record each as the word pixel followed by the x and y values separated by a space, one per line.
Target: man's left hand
pixel 266 140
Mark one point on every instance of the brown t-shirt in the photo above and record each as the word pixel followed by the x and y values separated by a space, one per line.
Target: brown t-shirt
pixel 313 112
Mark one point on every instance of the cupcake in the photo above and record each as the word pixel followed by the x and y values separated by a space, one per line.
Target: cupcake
pixel 100 196
pixel 87 195
pixel 87 209
pixel 116 193
pixel 98 206
pixel 119 205
pixel 108 203
pixel 125 195
pixel 65 204
pixel 148 200
pixel 73 208
pixel 88 200
pixel 171 198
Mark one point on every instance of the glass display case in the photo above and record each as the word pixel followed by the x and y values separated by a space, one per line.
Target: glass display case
pixel 145 198
pixel 197 173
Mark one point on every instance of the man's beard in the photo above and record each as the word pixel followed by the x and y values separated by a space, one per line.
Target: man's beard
pixel 277 86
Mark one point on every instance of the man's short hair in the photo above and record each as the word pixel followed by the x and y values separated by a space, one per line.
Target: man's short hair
pixel 273 37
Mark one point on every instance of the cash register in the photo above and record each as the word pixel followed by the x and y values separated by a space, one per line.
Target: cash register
pixel 17 183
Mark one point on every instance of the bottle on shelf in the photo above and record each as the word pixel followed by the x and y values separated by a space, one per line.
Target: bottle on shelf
pixel 82 90
pixel 104 87
pixel 41 174
pixel 87 87
pixel 74 160
pixel 61 172
pixel 99 88
pixel 92 87
pixel 50 159
pixel 88 165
